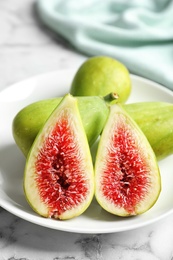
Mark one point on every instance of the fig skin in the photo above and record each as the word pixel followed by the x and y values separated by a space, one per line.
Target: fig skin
pixel 127 176
pixel 60 156
pixel 156 121
pixel 154 118
pixel 28 121
pixel 101 75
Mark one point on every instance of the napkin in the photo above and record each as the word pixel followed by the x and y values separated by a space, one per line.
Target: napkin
pixel 137 33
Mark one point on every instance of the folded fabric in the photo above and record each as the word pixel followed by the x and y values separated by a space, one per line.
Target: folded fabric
pixel 137 33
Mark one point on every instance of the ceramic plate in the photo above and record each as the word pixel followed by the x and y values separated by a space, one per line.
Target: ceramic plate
pixel 12 162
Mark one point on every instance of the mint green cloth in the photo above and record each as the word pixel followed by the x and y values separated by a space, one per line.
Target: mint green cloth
pixel 138 33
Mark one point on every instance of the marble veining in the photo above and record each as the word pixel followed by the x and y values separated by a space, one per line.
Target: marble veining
pixel 27 48
pixel 22 240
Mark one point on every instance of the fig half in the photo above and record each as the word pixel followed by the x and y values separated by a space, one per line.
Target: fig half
pixel 58 177
pixel 127 175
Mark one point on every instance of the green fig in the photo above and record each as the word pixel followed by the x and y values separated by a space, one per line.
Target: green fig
pixel 156 121
pixel 30 119
pixel 127 177
pixel 58 177
pixel 101 75
pixel 154 118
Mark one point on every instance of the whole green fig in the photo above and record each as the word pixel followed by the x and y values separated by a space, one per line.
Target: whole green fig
pixel 30 119
pixel 100 75
pixel 156 121
pixel 154 118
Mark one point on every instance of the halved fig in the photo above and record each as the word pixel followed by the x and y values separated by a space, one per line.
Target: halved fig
pixel 58 178
pixel 127 175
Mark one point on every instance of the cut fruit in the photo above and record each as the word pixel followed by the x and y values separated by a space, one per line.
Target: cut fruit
pixel 58 178
pixel 127 176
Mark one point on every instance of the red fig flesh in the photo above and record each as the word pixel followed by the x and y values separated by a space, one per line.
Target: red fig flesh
pixel 58 179
pixel 127 176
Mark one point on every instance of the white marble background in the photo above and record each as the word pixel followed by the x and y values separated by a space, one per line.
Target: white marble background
pixel 27 48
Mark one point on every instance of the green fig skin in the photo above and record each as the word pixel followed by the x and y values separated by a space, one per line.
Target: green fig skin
pixel 154 118
pixel 156 121
pixel 28 121
pixel 100 75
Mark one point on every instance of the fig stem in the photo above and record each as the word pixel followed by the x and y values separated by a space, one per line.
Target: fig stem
pixel 111 97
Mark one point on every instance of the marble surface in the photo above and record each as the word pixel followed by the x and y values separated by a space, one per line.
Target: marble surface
pixel 27 48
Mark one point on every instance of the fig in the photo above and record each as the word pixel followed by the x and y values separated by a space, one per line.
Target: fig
pixel 127 176
pixel 101 75
pixel 156 121
pixel 28 121
pixel 58 177
pixel 154 118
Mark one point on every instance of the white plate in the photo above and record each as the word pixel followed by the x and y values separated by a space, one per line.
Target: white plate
pixel 94 220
